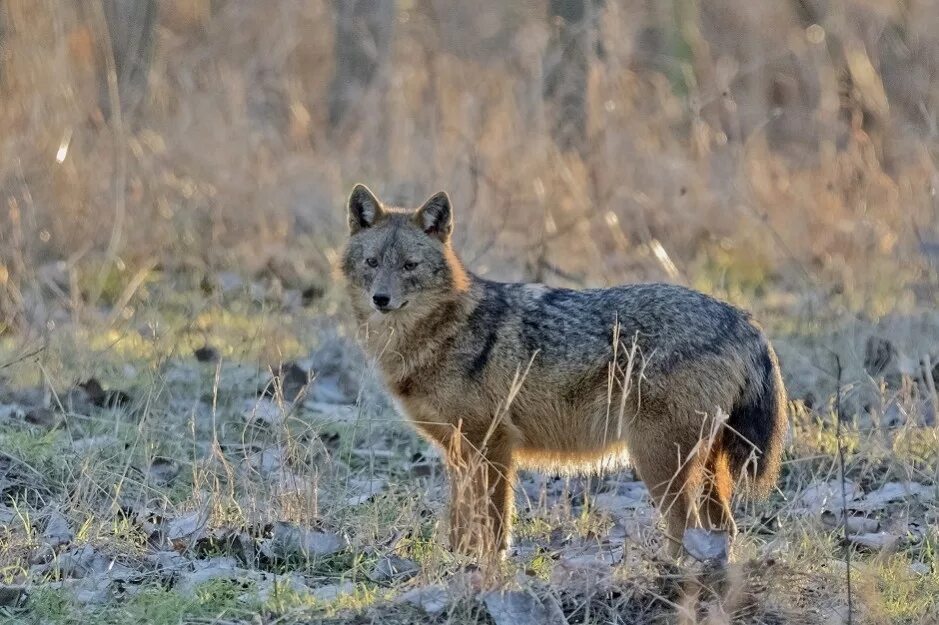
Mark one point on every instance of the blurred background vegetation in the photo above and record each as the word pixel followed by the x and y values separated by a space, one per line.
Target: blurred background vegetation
pixel 173 175
pixel 780 151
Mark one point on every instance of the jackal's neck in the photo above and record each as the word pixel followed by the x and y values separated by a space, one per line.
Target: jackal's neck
pixel 404 344
pixel 460 278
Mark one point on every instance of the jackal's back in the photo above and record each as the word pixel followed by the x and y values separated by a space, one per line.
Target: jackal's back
pixel 688 354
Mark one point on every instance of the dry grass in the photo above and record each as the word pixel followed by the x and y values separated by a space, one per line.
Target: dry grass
pixel 199 473
pixel 779 155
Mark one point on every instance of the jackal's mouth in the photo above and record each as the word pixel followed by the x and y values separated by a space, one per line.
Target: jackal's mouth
pixel 390 309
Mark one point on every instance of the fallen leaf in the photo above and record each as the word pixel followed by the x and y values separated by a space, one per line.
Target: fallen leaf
pixel 268 587
pixel 289 539
pixel 81 562
pixel 393 568
pixel 522 608
pixel 581 571
pixel 706 546
pixel 878 354
pixel 432 599
pixel 920 568
pixel 826 496
pixel 894 491
pixel 291 299
pixel 876 541
pixel 329 390
pixel 216 568
pixel 334 591
pixel 76 401
pixel 855 524
pixel 227 541
pixel 186 528
pixel 337 364
pixel 333 412
pixel 93 590
pixel 364 490
pixel 613 503
pixel 166 562
pixel 57 530
pixel 225 281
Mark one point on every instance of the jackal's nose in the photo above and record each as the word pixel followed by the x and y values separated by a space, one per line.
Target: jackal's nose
pixel 381 300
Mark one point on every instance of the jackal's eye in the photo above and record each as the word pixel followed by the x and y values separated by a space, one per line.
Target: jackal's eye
pixel 371 261
pixel 410 265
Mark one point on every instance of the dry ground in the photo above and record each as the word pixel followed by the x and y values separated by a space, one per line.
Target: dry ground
pixel 202 482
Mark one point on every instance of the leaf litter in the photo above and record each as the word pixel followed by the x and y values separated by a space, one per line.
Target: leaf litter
pixel 184 550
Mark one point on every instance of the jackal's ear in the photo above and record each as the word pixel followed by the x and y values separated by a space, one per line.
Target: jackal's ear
pixel 364 208
pixel 435 217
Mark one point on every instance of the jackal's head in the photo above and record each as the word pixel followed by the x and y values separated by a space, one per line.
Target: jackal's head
pixel 400 260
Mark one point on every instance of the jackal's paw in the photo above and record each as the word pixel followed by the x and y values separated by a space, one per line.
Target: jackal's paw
pixel 707 546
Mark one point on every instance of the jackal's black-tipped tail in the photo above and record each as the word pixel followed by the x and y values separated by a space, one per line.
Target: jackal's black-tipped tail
pixel 757 424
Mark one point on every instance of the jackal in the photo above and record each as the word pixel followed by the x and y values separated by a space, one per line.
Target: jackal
pixel 502 376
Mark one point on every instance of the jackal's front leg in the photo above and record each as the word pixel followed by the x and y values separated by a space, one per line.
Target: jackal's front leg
pixel 482 479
